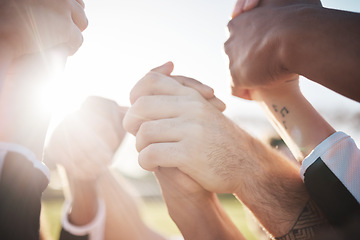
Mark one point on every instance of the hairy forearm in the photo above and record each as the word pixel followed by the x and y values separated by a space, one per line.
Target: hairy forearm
pixel 284 199
pixel 323 45
pixel 273 192
pixel 294 118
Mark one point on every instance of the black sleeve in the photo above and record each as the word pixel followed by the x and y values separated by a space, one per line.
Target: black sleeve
pixel 333 198
pixel 21 187
pixel 64 235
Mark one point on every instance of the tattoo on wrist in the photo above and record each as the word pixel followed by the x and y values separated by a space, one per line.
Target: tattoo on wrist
pixel 309 223
pixel 284 111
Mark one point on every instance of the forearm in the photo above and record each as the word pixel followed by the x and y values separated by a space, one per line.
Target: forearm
pixel 274 191
pixel 212 222
pixel 24 118
pixel 84 205
pixel 122 211
pixel 328 40
pixel 294 118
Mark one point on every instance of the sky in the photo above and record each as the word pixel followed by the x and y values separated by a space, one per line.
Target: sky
pixel 127 38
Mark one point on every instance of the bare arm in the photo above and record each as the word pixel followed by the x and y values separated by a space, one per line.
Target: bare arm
pixel 122 216
pixel 332 48
pixel 297 122
pixel 84 144
pixel 214 151
pixel 25 65
pixel 189 203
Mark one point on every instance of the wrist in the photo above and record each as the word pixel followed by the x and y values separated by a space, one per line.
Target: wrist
pixel 298 36
pixel 84 201
pixel 213 221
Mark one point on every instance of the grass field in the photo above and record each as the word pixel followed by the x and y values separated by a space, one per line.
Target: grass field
pixel 155 214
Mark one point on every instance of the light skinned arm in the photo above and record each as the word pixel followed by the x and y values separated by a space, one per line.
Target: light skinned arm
pixel 122 216
pixel 266 54
pixel 294 118
pixel 213 151
pixel 84 144
pixel 28 39
pixel 84 204
pixel 188 202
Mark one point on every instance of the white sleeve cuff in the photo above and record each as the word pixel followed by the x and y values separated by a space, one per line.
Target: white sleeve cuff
pixel 29 155
pixel 341 155
pixel 95 229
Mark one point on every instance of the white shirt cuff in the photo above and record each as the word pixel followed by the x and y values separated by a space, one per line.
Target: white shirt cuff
pixel 95 229
pixel 341 155
pixel 29 155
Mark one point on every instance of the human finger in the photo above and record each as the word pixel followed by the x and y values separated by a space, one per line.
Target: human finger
pixel 103 107
pixel 75 40
pixel 165 69
pixel 156 155
pixel 162 130
pixel 238 8
pixel 205 91
pixel 243 6
pixel 250 4
pixel 151 108
pixel 217 103
pixel 81 2
pixel 155 83
pixel 241 93
pixel 78 15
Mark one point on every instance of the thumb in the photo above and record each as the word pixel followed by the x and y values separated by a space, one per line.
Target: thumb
pixel 242 93
pixel 165 69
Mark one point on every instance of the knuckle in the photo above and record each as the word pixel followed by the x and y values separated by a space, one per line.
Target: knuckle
pixel 146 157
pixel 128 123
pixel 227 47
pixel 85 23
pixel 146 130
pixel 141 104
pixel 143 135
pixel 153 77
pixel 230 25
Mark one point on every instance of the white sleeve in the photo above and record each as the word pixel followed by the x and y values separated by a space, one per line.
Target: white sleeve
pixel 341 155
pixel 95 229
pixel 29 155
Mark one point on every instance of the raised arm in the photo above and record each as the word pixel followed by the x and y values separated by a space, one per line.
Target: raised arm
pixel 189 203
pixel 319 148
pixel 281 39
pixel 294 118
pixel 99 203
pixel 30 31
pixel 214 152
